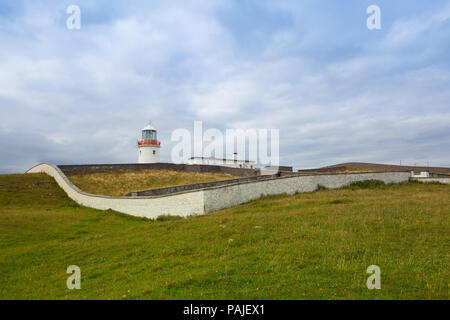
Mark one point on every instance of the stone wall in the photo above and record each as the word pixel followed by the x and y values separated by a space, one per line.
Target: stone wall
pixel 440 180
pixel 90 168
pixel 198 201
pixel 196 186
pixel 280 168
pixel 184 204
pixel 231 195
pixel 434 171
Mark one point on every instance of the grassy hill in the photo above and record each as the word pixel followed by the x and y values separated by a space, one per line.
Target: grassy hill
pixel 307 246
pixel 119 183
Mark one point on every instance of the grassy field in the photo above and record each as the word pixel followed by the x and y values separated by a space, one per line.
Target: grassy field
pixel 119 183
pixel 308 246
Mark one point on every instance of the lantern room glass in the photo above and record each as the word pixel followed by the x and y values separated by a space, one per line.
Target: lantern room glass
pixel 149 135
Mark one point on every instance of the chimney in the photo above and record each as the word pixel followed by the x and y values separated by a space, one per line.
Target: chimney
pixel 235 156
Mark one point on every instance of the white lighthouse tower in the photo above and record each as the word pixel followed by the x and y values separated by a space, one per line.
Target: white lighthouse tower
pixel 148 146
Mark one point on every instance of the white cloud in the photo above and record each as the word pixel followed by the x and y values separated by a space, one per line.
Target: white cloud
pixel 84 95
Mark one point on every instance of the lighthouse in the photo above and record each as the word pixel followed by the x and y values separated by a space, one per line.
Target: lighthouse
pixel 148 146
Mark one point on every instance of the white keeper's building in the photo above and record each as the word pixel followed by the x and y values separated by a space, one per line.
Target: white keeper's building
pixel 233 163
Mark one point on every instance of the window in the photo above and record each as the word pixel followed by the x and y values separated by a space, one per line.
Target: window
pixel 149 135
pixel 154 152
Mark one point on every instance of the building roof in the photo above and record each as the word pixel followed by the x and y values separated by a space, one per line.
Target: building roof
pixel 148 127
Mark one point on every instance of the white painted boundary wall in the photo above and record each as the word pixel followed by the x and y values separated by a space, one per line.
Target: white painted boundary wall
pixel 194 202
pixel 182 204
pixel 231 195
pixel 441 180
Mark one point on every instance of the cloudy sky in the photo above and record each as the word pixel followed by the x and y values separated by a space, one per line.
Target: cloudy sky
pixel 337 91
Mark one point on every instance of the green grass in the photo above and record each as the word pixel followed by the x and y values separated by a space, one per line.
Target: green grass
pixel 309 246
pixel 119 183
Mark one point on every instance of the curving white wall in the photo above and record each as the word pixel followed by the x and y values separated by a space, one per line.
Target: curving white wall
pixel 183 204
pixel 210 199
